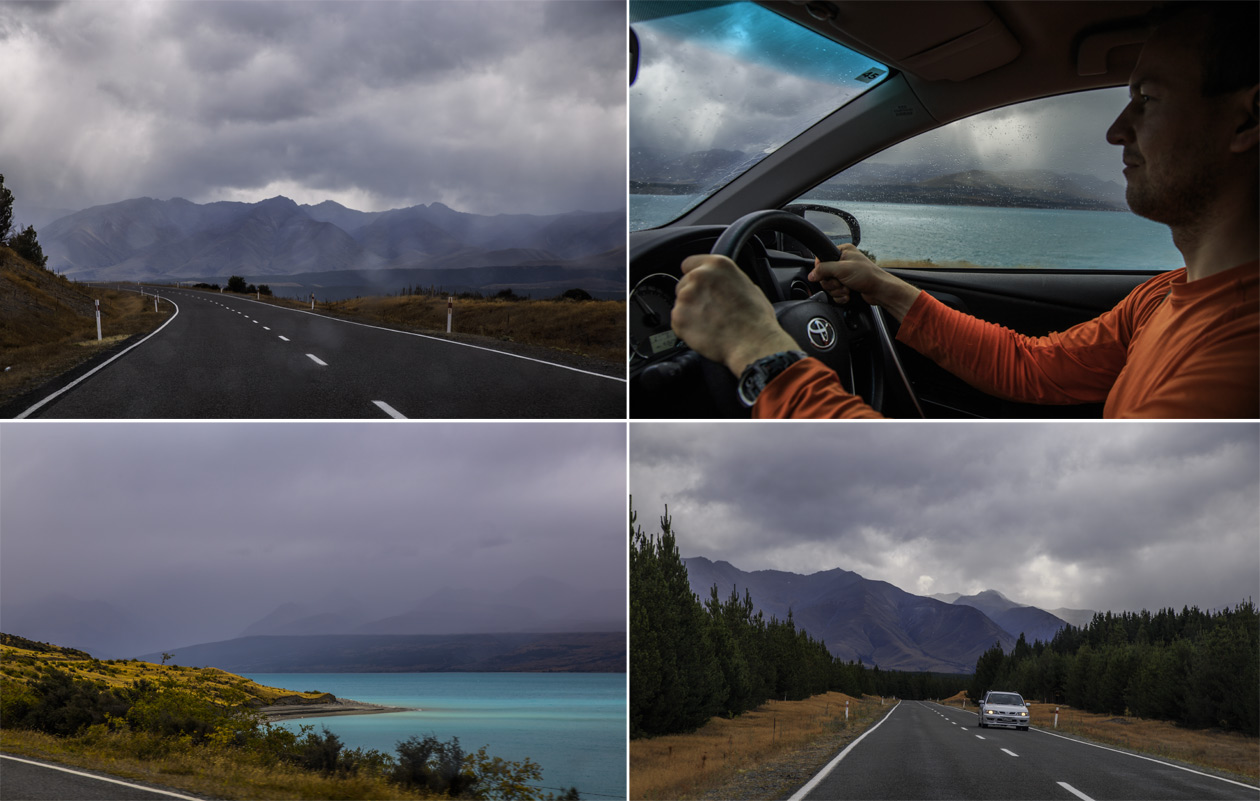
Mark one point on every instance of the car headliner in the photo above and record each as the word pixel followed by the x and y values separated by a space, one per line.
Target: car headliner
pixel 953 59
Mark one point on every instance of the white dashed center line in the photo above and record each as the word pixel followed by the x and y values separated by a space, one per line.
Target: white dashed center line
pixel 286 339
pixel 316 359
pixel 265 328
pixel 1012 753
pixel 1074 791
pixel 390 410
pixel 978 737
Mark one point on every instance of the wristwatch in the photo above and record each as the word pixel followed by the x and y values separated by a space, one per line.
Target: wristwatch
pixel 762 372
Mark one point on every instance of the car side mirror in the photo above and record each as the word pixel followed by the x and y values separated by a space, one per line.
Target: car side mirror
pixel 841 227
pixel 634 56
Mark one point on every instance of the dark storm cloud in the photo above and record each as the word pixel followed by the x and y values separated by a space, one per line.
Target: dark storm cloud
pixel 1117 516
pixel 223 522
pixel 487 106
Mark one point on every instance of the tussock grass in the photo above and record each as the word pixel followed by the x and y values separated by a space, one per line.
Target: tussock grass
pixel 217 771
pixel 680 766
pixel 596 329
pixel 48 324
pixel 1227 751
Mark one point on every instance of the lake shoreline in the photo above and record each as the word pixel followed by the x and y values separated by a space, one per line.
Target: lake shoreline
pixel 342 706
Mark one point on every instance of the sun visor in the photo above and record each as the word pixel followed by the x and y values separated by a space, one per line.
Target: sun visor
pixel 934 41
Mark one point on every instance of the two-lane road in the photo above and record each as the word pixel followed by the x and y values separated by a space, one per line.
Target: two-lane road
pixel 928 751
pixel 232 357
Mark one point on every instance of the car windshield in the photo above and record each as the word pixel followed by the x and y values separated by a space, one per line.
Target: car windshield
pixel 1005 699
pixel 721 86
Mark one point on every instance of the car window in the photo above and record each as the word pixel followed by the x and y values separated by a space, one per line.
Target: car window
pixel 1006 700
pixel 1033 185
pixel 721 86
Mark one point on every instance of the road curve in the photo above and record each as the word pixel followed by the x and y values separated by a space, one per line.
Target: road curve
pixel 23 779
pixel 928 751
pixel 225 356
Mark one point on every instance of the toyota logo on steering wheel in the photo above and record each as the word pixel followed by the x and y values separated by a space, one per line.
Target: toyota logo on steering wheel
pixel 821 333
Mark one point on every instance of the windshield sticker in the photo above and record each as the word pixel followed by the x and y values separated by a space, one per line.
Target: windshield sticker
pixel 870 75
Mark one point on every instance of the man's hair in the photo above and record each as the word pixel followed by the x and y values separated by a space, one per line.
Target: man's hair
pixel 1229 47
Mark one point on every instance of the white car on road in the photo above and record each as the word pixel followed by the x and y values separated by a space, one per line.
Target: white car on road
pixel 1003 709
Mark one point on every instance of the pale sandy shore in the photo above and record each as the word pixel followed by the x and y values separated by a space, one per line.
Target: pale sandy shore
pixel 342 706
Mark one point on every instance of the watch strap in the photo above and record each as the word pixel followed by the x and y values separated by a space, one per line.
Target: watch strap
pixel 761 372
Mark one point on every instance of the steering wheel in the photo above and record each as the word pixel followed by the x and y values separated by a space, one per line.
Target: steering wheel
pixel 850 339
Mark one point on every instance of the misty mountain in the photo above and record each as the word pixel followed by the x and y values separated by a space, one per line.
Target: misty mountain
pixel 590 652
pixel 533 605
pixel 102 629
pixel 147 239
pixel 1077 617
pixel 1033 623
pixel 661 173
pixel 861 619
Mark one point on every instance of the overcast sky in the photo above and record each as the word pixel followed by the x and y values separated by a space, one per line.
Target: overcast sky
pixel 207 527
pixel 488 107
pixel 692 95
pixel 1083 516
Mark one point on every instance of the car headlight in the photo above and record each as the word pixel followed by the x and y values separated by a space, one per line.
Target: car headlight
pixel 1023 714
pixel 988 711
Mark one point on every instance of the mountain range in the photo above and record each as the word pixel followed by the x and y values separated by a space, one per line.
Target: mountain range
pixel 876 622
pixel 144 239
pixel 662 173
pixel 590 652
pixel 113 629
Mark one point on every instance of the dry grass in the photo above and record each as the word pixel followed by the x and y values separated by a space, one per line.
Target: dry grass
pixel 681 766
pixel 48 325
pixel 1228 751
pixel 214 771
pixel 596 329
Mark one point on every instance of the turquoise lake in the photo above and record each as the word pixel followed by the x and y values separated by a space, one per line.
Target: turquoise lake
pixel 572 724
pixel 984 235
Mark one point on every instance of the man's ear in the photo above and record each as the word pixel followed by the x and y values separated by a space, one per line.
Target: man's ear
pixel 1247 134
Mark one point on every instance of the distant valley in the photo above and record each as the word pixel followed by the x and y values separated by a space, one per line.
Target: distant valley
pixel 878 623
pixel 335 251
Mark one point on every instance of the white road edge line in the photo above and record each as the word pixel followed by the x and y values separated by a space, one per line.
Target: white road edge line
pixel 1148 759
pixel 317 360
pixel 1008 751
pixel 822 774
pixel 103 364
pixel 390 410
pixel 1074 791
pixel 440 339
pixel 100 778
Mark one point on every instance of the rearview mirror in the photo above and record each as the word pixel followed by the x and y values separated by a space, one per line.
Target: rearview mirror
pixel 841 227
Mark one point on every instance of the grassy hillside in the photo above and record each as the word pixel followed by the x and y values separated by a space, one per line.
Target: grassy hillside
pixel 23 662
pixel 48 324
pixel 197 730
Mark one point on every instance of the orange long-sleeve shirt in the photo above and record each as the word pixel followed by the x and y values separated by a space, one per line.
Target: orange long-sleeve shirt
pixel 1170 349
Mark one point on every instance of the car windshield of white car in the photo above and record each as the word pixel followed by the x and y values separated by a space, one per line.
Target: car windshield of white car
pixel 1006 700
pixel 721 86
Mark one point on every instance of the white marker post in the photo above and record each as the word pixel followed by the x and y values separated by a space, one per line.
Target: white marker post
pixel 846 710
pixel 312 301
pixel 1056 717
pixel 155 300
pixel 98 321
pixel 450 303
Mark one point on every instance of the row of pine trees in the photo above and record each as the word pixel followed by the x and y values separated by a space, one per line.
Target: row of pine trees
pixel 1198 669
pixel 690 662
